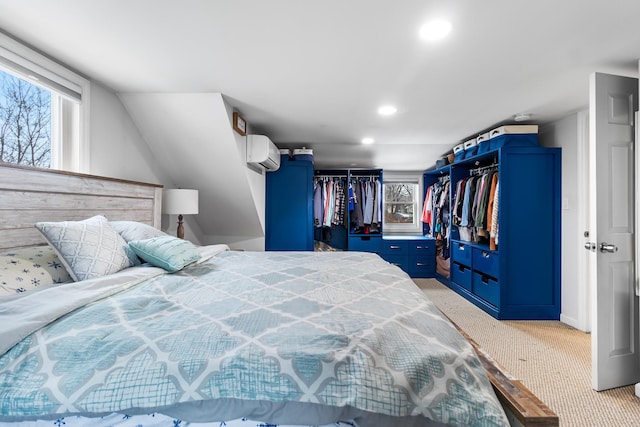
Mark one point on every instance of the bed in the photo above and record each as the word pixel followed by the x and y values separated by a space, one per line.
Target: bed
pixel 181 335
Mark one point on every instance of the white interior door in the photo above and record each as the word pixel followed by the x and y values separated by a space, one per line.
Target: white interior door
pixel 614 341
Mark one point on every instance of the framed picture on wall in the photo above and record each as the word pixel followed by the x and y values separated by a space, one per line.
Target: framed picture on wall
pixel 239 124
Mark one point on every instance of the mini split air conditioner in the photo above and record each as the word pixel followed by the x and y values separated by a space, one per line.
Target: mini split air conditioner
pixel 261 151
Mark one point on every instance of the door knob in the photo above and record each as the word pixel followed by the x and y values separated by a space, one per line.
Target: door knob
pixel 590 246
pixel 606 247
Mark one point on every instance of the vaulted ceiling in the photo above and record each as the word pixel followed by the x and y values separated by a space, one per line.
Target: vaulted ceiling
pixel 313 73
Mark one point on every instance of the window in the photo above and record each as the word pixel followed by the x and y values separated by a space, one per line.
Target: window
pixel 401 203
pixel 43 110
pixel 25 122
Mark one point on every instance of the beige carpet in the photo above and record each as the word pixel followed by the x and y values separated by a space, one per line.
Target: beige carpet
pixel 552 359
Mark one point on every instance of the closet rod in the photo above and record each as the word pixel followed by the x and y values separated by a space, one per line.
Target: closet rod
pixel 482 169
pixel 330 176
pixel 370 177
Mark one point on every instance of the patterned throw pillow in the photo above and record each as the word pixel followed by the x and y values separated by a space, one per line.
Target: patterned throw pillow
pixel 88 248
pixel 25 269
pixel 132 230
pixel 168 252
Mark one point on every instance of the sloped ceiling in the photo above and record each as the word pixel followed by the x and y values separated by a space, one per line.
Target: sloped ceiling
pixel 191 136
pixel 313 73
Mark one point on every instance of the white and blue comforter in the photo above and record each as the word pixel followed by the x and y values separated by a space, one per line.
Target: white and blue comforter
pixel 284 337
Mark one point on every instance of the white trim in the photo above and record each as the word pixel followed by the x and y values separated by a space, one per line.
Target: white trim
pixel 33 66
pixel 583 259
pixel 391 177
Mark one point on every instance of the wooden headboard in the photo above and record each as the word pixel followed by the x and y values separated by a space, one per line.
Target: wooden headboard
pixel 29 195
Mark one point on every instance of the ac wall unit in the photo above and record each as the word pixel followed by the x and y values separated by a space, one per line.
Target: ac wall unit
pixel 261 151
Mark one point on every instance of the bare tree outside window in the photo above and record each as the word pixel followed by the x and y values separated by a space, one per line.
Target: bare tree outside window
pixel 25 122
pixel 399 203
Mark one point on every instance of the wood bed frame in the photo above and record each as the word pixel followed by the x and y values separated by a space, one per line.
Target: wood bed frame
pixel 29 195
pixel 523 408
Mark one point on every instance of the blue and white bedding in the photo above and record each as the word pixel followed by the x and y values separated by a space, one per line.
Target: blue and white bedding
pixel 299 338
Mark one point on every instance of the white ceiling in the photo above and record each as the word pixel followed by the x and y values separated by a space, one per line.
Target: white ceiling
pixel 313 73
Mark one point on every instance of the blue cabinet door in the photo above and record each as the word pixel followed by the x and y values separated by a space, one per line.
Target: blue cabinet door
pixel 289 207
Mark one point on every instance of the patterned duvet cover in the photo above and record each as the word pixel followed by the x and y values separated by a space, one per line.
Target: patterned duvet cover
pixel 285 337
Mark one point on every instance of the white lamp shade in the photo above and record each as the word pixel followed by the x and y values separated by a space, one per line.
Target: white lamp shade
pixel 180 202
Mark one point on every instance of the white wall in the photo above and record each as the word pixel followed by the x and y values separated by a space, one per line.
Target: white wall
pixel 570 134
pixel 116 149
pixel 256 179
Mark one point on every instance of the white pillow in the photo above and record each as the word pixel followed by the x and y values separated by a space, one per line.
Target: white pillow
pixel 88 248
pixel 133 230
pixel 25 269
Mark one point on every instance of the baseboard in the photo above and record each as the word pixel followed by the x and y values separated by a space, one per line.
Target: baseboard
pixel 574 323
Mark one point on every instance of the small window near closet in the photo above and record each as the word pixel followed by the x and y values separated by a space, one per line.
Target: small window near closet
pixel 401 199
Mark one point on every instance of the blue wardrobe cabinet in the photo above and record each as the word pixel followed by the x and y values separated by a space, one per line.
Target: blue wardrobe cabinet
pixel 520 278
pixel 289 207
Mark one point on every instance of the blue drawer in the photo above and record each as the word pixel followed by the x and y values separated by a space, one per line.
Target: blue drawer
pixel 397 260
pixel 486 262
pixel 365 243
pixel 461 253
pixel 421 266
pixel 461 275
pixel 400 247
pixel 486 288
pixel 422 247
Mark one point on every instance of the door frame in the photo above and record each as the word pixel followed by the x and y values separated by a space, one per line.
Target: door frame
pixel 585 270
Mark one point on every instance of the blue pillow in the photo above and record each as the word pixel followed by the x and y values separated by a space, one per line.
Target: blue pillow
pixel 166 252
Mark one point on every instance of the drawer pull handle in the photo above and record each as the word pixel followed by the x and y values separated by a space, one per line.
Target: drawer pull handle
pixel 420 264
pixel 394 247
pixel 486 254
pixel 419 247
pixel 461 247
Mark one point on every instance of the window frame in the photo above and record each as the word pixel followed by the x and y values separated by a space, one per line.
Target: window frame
pixel 412 178
pixel 70 101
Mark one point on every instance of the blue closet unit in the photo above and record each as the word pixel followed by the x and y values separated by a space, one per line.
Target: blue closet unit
pixel 336 235
pixel 289 207
pixel 365 238
pixel 442 246
pixel 519 278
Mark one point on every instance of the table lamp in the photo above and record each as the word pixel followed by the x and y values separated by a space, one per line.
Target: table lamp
pixel 180 202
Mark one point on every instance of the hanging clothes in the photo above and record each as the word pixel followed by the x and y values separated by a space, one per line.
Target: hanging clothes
pixel 494 235
pixel 379 200
pixel 329 202
pixel 357 216
pixel 339 203
pixel 435 209
pixel 427 208
pixel 368 205
pixel 318 211
pixel 473 205
pixel 366 215
pixel 491 206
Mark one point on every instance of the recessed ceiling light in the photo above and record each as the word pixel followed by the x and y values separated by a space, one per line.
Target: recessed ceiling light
pixel 387 110
pixel 367 141
pixel 435 30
